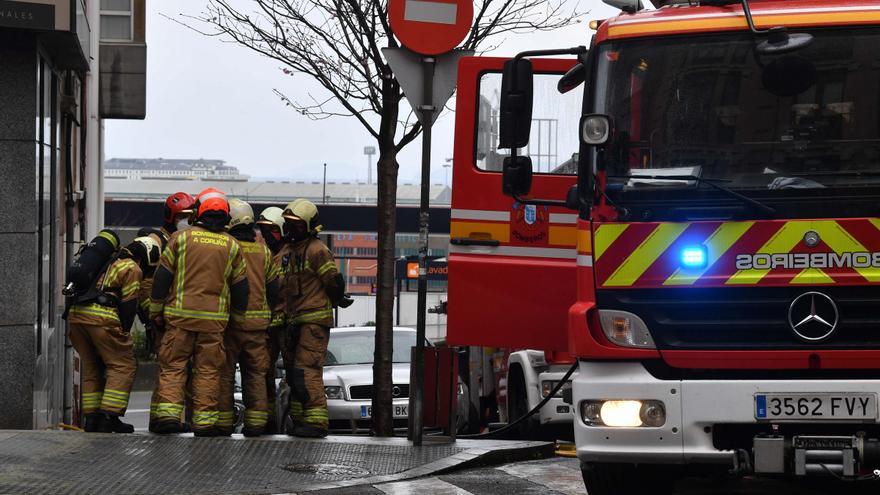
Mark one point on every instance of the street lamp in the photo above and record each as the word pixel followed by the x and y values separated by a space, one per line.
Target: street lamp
pixel 369 151
pixel 446 169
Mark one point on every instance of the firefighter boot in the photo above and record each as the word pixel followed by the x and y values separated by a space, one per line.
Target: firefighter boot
pixel 95 423
pixel 205 432
pixel 309 431
pixel 115 425
pixel 252 431
pixel 167 426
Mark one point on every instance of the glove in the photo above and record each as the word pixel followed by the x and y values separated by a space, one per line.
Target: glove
pixel 345 301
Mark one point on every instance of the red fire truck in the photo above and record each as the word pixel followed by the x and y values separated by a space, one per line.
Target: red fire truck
pixel 698 223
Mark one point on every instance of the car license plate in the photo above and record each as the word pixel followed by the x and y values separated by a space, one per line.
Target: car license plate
pixel 821 406
pixel 399 411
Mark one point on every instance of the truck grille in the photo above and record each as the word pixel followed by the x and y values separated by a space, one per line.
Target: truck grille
pixel 360 392
pixel 745 317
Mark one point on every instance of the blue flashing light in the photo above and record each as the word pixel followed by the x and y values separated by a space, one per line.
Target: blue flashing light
pixel 694 257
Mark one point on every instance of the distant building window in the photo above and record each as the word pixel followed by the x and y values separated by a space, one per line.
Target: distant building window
pixel 116 20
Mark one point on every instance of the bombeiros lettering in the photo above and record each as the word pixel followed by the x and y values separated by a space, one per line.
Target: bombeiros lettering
pixel 767 261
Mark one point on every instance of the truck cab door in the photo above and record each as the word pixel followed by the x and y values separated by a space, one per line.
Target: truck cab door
pixel 512 266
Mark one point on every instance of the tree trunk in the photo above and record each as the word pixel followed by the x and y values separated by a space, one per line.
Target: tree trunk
pixel 386 207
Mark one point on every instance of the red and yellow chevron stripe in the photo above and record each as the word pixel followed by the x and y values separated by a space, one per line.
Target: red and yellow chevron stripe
pixel 767 253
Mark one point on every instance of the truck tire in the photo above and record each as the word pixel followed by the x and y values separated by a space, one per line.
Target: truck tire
pixel 518 406
pixel 628 479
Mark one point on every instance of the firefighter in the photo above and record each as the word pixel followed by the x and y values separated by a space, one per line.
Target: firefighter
pixel 99 331
pixel 246 339
pixel 312 286
pixel 201 277
pixel 176 214
pixel 270 224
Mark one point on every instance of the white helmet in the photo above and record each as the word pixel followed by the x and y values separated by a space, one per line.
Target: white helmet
pixel 240 213
pixel 148 249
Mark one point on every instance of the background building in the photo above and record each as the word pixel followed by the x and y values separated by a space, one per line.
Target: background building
pixel 176 169
pixel 54 91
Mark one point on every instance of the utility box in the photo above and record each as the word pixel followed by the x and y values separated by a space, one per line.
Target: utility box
pixel 440 408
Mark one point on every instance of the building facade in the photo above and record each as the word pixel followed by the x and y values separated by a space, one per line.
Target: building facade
pixel 50 147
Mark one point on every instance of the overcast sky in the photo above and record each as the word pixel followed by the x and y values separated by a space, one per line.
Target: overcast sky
pixel 210 99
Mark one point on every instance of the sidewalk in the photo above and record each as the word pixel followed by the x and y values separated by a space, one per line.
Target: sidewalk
pixel 50 462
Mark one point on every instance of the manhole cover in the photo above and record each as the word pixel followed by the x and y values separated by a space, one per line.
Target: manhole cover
pixel 336 471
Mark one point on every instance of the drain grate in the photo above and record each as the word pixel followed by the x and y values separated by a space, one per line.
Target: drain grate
pixel 329 472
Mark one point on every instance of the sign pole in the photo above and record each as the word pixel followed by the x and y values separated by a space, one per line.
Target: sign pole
pixel 428 109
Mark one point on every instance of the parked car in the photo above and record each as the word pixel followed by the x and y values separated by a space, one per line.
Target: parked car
pixel 348 380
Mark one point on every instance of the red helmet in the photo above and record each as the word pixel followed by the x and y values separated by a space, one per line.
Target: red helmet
pixel 177 204
pixel 214 204
pixel 210 192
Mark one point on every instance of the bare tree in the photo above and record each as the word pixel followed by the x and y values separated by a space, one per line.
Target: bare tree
pixel 337 44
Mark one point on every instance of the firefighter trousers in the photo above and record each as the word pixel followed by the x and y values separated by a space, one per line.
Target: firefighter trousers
pixel 154 398
pixel 248 349
pixel 108 367
pixel 208 355
pixel 307 345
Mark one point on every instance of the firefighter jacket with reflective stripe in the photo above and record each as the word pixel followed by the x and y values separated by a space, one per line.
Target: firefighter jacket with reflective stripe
pixel 279 317
pixel 308 268
pixel 122 279
pixel 203 265
pixel 261 271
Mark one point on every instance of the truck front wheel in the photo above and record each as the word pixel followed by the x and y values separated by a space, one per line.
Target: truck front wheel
pixel 628 479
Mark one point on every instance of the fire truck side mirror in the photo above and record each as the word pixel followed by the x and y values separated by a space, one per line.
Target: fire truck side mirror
pixel 516 176
pixel 515 116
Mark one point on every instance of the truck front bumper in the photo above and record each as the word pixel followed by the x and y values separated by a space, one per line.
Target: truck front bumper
pixel 556 411
pixel 693 410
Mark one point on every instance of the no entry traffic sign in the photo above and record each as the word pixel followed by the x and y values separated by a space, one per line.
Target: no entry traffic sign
pixel 430 27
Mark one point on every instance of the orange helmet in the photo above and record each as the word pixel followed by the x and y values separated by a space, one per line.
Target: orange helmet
pixel 214 203
pixel 210 192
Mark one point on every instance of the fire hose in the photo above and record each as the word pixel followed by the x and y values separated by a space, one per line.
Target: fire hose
pixel 529 414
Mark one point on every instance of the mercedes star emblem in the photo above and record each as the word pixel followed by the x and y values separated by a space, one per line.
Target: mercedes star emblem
pixel 395 391
pixel 811 238
pixel 813 316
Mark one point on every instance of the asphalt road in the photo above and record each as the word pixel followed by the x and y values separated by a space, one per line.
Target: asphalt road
pixel 138 413
pixel 561 476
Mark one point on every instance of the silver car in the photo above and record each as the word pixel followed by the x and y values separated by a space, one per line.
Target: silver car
pixel 348 377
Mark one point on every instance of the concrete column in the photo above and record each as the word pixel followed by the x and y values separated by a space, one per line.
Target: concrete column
pixel 18 227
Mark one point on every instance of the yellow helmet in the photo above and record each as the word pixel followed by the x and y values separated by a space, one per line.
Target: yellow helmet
pixel 240 213
pixel 272 215
pixel 305 210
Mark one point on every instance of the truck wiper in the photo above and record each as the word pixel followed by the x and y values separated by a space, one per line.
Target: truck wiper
pixel 711 182
pixel 831 173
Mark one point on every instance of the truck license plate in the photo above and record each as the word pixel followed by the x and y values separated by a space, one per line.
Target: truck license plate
pixel 822 406
pixel 399 411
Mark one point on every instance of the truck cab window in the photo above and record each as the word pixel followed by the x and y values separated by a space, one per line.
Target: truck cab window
pixel 553 146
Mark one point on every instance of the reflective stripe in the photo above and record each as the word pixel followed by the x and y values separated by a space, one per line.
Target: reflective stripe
pixel 313 316
pixel 296 409
pixel 529 252
pixel 168 409
pixel 156 307
pixel 278 319
pixel 316 416
pixel 225 418
pixel 563 218
pixel 130 289
pixel 95 309
pixel 180 269
pixel 192 313
pixel 252 314
pixel 224 293
pixel 205 418
pixel 326 267
pixel 256 418
pixel 645 254
pixel 584 260
pixel 112 240
pixel 489 215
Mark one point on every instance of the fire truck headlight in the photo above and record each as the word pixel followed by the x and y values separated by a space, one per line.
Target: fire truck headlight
pixel 595 129
pixel 623 413
pixel 625 329
pixel 694 256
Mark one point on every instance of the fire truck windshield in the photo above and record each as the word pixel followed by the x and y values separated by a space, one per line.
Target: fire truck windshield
pixel 712 106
